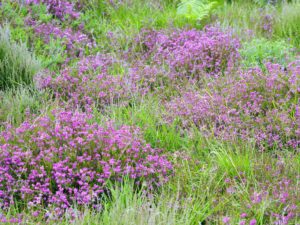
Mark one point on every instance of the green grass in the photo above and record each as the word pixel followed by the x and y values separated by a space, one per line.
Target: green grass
pixel 17 103
pixel 148 115
pixel 288 26
pixel 126 20
pixel 259 51
pixel 17 64
pixel 243 17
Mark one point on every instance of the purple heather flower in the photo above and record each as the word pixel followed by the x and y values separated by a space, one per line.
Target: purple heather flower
pixel 77 173
pixel 252 222
pixel 226 220
pixel 59 8
pixel 242 222
pixel 243 215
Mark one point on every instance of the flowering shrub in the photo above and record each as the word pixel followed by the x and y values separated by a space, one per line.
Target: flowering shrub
pixel 143 79
pixel 91 81
pixel 275 189
pixel 192 52
pixel 62 159
pixel 64 40
pixel 87 83
pixel 75 41
pixel 267 23
pixel 258 105
pixel 59 8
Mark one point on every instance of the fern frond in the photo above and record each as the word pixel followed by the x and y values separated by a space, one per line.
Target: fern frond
pixel 197 9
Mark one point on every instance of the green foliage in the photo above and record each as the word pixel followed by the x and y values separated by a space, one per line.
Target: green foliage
pixel 197 9
pixel 17 64
pixel 12 11
pixel 55 48
pixel 15 103
pixel 128 207
pixel 40 11
pixel 125 19
pixel 15 15
pixel 273 22
pixel 125 206
pixel 232 162
pixel 204 190
pixel 264 2
pixel 260 50
pixel 287 24
pixel 148 116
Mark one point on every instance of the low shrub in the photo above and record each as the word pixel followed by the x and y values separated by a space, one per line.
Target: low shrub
pixel 63 159
pixel 192 53
pixel 75 43
pixel 59 8
pixel 87 83
pixel 255 105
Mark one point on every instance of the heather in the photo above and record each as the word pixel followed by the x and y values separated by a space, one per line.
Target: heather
pixel 256 105
pixel 149 112
pixel 59 9
pixel 193 53
pixel 70 161
pixel 167 60
pixel 85 83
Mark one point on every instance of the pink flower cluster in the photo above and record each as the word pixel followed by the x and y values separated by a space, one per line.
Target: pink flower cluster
pixel 274 188
pixel 253 104
pixel 59 8
pixel 63 158
pixel 143 79
pixel 89 82
pixel 75 41
pixel 192 53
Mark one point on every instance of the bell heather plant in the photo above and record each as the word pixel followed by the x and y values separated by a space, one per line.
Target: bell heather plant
pixel 59 8
pixel 274 197
pixel 75 41
pixel 192 53
pixel 44 30
pixel 92 81
pixel 252 105
pixel 63 159
pixel 87 83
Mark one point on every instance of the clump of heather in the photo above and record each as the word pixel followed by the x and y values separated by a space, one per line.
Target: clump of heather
pixel 50 34
pixel 266 23
pixel 93 81
pixel 59 8
pixel 276 191
pixel 192 53
pixel 75 42
pixel 64 159
pixel 260 105
pixel 86 83
pixel 142 79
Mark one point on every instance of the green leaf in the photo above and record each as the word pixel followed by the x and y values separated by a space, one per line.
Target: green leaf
pixel 197 9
